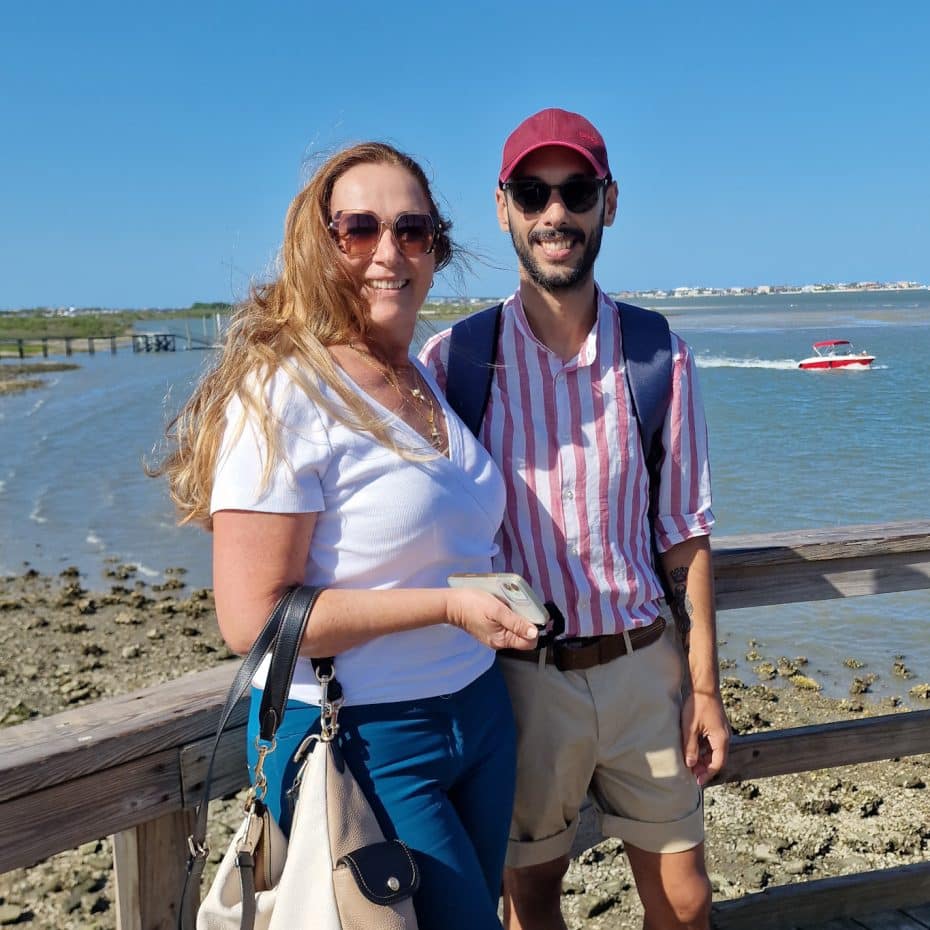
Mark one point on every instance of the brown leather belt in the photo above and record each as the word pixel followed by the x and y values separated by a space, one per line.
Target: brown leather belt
pixel 575 655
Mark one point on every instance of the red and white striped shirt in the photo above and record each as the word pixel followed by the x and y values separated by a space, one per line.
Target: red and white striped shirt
pixel 564 435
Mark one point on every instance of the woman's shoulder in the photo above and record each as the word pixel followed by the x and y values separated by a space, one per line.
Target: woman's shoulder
pixel 285 392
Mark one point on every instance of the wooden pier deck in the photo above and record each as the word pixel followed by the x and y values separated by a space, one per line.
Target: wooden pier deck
pixel 65 342
pixel 132 766
pixel 21 347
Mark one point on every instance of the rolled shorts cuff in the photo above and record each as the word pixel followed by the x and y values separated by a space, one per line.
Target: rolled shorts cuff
pixel 524 853
pixel 670 837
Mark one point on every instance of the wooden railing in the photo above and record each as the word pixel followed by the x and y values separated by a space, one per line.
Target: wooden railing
pixel 132 766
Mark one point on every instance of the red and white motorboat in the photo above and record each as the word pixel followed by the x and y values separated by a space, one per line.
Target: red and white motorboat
pixel 836 353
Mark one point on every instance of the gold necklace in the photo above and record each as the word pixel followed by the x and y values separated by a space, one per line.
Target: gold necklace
pixel 424 398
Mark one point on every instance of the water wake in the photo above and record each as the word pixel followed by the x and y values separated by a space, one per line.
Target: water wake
pixel 714 361
pixel 37 515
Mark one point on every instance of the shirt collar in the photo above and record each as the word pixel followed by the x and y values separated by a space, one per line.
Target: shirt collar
pixel 601 332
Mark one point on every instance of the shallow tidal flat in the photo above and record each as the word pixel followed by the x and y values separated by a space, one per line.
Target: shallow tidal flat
pixel 25 375
pixel 64 645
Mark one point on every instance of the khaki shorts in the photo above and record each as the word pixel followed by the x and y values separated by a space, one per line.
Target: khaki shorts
pixel 614 731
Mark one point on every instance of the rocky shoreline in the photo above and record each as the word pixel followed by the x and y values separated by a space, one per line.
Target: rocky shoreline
pixel 65 645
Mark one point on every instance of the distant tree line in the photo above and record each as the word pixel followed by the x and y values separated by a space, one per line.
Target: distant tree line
pixel 93 321
pixel 215 307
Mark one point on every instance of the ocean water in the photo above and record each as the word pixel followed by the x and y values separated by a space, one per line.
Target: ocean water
pixel 796 449
pixel 791 449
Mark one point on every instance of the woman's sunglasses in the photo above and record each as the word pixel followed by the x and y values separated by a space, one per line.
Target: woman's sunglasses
pixel 578 194
pixel 358 232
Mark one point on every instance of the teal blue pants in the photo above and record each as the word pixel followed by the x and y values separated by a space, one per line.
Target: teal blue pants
pixel 439 773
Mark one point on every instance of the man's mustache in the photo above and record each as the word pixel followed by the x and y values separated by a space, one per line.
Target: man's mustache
pixel 547 235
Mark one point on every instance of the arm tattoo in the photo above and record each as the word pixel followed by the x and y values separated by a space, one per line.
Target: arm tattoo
pixel 681 605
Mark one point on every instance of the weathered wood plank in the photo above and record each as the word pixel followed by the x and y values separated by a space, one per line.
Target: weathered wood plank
pixel 801 581
pixel 812 565
pixel 127 880
pixel 921 914
pixel 822 543
pixel 146 895
pixel 230 772
pixel 843 742
pixel 88 807
pixel 843 923
pixel 89 739
pixel 65 815
pixel 889 920
pixel 826 899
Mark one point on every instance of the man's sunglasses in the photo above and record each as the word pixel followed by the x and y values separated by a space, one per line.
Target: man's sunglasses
pixel 358 232
pixel 578 194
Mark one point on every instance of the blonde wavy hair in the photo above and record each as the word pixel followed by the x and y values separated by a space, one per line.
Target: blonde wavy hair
pixel 287 324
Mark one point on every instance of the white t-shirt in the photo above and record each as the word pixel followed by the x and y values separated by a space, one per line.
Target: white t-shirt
pixel 383 522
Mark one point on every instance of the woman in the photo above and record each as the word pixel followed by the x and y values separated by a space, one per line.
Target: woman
pixel 320 452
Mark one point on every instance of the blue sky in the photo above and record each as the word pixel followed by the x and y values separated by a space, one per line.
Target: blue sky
pixel 149 151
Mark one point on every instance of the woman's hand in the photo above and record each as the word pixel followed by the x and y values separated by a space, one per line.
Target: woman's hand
pixel 489 620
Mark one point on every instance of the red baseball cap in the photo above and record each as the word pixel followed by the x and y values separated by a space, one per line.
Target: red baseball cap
pixel 554 127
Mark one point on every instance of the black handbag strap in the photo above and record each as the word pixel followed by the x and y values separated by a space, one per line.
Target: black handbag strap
pixel 284 660
pixel 282 635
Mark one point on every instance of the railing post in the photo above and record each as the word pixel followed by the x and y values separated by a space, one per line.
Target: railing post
pixel 45 346
pixel 21 347
pixel 112 345
pixel 68 349
pixel 90 345
pixel 150 862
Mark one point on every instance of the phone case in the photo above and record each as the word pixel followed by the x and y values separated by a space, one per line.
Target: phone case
pixel 509 587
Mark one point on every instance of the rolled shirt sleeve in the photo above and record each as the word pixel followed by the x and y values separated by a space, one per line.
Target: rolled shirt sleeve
pixel 684 505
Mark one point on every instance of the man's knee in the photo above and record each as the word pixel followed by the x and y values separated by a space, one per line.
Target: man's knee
pixel 691 903
pixel 686 906
pixel 535 885
pixel 673 887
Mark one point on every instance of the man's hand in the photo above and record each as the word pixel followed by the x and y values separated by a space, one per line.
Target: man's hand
pixel 705 734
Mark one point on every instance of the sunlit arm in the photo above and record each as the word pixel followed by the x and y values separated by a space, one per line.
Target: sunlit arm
pixel 258 556
pixel 705 730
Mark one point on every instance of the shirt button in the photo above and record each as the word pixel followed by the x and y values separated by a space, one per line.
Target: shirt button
pixel 570 494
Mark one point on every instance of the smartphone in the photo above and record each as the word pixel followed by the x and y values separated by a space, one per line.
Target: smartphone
pixel 512 589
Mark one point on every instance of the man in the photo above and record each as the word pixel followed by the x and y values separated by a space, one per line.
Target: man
pixel 604 710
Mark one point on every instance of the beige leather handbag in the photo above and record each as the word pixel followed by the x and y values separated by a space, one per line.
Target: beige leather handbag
pixel 337 871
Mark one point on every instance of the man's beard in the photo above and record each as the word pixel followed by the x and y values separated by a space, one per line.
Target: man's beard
pixel 561 279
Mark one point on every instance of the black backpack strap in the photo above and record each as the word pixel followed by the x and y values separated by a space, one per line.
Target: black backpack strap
pixel 470 369
pixel 647 348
